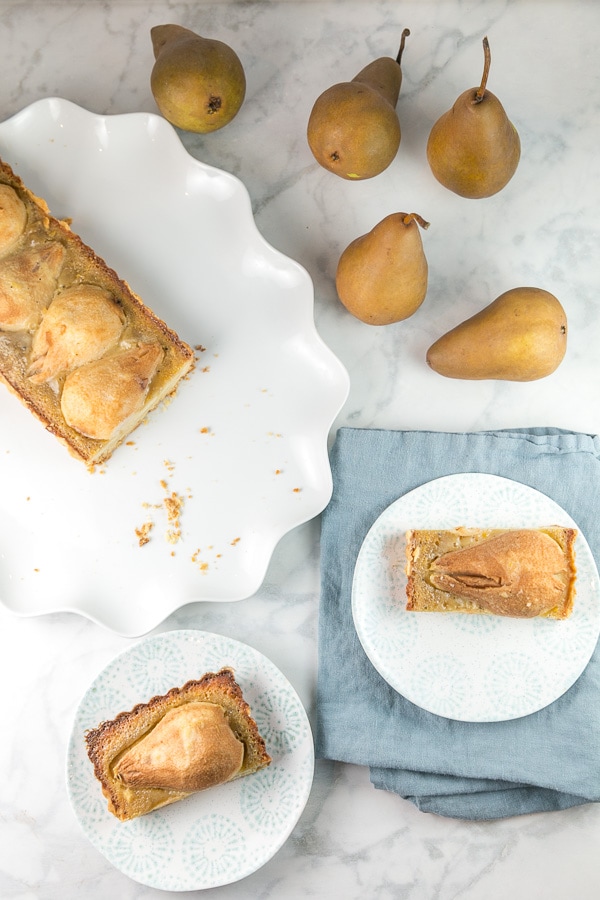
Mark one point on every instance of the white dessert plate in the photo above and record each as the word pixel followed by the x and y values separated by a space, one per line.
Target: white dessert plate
pixel 474 668
pixel 242 448
pixel 220 835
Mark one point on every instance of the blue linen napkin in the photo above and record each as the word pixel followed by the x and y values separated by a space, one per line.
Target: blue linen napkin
pixel 548 760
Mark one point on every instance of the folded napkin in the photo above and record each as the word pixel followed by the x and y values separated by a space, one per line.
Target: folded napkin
pixel 547 760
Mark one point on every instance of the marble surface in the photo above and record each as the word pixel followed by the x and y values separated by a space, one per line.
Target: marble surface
pixel 351 840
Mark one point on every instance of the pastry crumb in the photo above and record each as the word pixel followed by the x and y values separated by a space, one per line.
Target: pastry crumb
pixel 173 505
pixel 201 563
pixel 143 533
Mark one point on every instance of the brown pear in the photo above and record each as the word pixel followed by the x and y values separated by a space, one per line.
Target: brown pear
pixel 521 336
pixel 382 276
pixel 353 129
pixel 198 83
pixel 473 149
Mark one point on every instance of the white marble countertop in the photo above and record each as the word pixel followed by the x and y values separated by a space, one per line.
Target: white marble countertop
pixel 351 841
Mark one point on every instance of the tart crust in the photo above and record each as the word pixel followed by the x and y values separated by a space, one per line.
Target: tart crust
pixel 132 796
pixel 79 267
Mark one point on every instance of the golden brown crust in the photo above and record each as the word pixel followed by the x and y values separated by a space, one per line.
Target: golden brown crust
pixel 521 573
pixel 81 266
pixel 107 743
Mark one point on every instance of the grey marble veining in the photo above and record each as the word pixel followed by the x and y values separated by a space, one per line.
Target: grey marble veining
pixel 543 229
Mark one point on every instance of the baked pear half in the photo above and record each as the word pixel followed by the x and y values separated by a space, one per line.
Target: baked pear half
pixel 522 573
pixel 191 739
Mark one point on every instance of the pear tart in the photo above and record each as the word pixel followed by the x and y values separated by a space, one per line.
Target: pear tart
pixel 190 739
pixel 77 346
pixel 522 573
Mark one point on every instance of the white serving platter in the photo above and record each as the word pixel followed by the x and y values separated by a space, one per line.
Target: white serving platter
pixel 242 446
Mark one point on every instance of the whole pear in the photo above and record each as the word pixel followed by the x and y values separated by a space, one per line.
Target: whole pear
pixel 473 149
pixel 521 336
pixel 198 83
pixel 353 129
pixel 382 276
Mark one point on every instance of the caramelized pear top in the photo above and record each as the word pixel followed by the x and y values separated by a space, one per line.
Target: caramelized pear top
pixel 190 749
pixel 28 279
pixel 520 573
pixel 99 397
pixel 13 218
pixel 80 325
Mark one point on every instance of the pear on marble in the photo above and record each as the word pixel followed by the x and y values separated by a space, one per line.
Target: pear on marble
pixel 382 276
pixel 198 83
pixel 520 336
pixel 473 148
pixel 353 128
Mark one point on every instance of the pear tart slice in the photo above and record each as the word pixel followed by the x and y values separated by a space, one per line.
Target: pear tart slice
pixel 190 739
pixel 68 320
pixel 521 573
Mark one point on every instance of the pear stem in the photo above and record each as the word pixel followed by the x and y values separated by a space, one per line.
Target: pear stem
pixel 415 217
pixel 405 34
pixel 487 59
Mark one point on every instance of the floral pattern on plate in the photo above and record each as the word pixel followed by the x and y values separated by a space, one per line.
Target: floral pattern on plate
pixel 477 668
pixel 220 835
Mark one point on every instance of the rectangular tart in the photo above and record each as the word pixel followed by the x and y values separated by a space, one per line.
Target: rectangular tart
pixel 188 740
pixel 77 346
pixel 521 573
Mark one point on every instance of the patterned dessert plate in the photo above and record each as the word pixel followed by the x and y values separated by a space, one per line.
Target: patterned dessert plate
pixel 471 668
pixel 220 835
